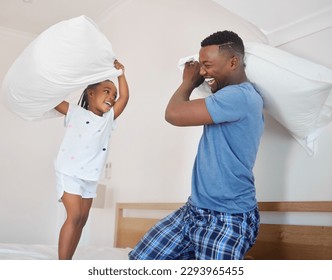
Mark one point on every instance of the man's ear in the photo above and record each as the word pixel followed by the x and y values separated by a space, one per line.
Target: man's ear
pixel 235 61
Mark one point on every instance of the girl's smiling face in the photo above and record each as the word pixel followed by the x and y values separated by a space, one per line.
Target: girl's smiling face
pixel 102 97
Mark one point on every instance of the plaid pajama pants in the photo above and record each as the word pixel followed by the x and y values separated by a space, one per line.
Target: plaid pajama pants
pixel 192 233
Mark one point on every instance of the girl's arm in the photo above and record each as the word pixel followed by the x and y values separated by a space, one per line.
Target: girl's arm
pixel 62 107
pixel 122 101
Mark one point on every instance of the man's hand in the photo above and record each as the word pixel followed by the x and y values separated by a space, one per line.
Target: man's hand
pixel 181 111
pixel 191 74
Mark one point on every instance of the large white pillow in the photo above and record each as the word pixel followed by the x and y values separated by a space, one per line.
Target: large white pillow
pixel 296 92
pixel 64 58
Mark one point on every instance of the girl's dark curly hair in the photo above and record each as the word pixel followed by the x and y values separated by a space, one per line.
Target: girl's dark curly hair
pixel 83 101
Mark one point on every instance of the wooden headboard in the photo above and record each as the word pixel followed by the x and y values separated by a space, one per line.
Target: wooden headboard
pixel 293 242
pixel 130 229
pixel 274 242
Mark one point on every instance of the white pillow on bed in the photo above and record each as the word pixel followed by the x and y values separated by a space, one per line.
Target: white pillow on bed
pixel 296 92
pixel 64 58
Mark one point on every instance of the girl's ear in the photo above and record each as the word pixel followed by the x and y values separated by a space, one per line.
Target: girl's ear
pixel 89 92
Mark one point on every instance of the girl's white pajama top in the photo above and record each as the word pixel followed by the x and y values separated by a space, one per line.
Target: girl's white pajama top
pixel 84 149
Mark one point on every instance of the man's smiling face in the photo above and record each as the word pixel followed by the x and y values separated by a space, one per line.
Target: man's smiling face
pixel 216 66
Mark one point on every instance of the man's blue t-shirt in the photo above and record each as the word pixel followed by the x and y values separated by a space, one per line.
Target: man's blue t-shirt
pixel 222 178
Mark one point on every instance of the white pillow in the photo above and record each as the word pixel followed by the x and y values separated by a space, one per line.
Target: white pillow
pixel 296 92
pixel 64 58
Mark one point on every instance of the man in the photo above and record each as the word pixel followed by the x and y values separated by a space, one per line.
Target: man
pixel 220 219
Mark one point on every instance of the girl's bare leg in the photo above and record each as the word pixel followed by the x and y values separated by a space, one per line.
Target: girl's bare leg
pixel 71 230
pixel 86 205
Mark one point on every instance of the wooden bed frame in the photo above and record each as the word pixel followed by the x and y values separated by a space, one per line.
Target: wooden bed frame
pixel 274 242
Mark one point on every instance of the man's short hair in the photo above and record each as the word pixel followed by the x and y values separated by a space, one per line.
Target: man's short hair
pixel 226 40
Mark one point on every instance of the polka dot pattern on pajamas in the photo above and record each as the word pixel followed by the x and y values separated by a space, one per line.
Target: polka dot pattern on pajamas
pixel 84 150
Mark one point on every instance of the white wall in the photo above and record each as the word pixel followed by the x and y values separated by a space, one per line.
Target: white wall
pixel 151 160
pixel 28 207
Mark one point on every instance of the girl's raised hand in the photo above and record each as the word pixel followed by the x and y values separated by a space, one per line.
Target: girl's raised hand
pixel 119 66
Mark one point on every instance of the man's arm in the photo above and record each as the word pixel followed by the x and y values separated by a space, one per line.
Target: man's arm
pixel 181 111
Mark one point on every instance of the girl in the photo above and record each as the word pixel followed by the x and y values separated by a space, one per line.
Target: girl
pixel 83 153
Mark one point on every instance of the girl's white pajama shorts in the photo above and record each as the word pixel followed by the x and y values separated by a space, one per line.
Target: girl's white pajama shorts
pixel 73 185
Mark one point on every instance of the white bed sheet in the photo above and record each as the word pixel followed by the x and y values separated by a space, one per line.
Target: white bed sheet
pixel 11 251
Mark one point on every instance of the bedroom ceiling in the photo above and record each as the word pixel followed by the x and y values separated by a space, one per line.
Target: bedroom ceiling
pixel 34 16
pixel 280 21
pixel 283 21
